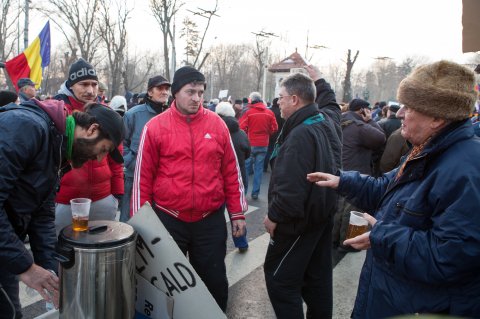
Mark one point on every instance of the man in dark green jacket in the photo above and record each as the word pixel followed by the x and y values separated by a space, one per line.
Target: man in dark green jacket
pixel 298 263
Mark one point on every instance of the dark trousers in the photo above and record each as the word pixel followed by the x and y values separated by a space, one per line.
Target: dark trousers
pixel 299 269
pixel 9 283
pixel 205 243
pixel 125 204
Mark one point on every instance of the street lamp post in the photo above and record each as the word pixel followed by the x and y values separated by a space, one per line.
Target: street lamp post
pixel 25 31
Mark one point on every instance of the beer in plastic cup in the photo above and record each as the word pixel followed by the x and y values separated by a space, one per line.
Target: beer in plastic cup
pixel 80 213
pixel 357 225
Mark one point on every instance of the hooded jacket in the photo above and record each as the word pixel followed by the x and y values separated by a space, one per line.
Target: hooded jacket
pixel 186 166
pixel 31 152
pixel 95 180
pixel 425 245
pixel 259 123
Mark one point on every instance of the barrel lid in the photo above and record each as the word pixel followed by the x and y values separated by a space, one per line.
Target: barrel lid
pixel 100 234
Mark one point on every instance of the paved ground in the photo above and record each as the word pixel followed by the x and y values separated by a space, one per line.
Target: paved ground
pixel 248 297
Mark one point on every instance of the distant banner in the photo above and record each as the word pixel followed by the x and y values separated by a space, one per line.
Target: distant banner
pixel 162 264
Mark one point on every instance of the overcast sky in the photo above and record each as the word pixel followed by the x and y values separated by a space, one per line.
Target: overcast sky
pixel 391 28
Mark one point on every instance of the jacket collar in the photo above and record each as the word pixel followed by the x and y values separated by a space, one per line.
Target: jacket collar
pixel 350 115
pixel 187 118
pixel 258 105
pixel 450 135
pixel 297 118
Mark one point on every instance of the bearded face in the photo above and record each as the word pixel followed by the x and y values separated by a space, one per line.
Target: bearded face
pixel 84 149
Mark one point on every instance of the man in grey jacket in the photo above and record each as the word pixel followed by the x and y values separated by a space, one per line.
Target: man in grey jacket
pixel 156 101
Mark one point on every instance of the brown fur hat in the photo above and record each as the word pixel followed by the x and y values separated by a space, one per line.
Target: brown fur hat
pixel 442 89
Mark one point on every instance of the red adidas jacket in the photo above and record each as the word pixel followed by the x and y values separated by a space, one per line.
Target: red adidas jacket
pixel 187 166
pixel 95 180
pixel 259 123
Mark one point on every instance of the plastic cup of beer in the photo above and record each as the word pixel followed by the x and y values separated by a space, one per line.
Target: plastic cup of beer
pixel 80 213
pixel 357 225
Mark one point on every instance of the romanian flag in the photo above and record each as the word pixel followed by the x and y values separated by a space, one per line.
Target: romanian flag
pixel 30 63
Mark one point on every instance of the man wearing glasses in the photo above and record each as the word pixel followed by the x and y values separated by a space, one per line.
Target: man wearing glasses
pixel 298 263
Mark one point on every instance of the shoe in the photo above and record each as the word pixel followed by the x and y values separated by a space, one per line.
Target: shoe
pixel 242 249
pixel 254 196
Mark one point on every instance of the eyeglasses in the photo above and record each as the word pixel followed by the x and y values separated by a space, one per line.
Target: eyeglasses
pixel 281 97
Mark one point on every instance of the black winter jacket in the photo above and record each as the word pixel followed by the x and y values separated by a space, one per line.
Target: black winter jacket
pixel 240 142
pixel 390 125
pixel 30 159
pixel 309 142
pixel 360 140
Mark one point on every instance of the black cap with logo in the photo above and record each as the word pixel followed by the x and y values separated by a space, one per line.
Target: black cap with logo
pixel 79 71
pixel 111 123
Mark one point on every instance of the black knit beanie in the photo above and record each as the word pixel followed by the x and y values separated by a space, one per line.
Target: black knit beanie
pixel 7 97
pixel 185 75
pixel 79 71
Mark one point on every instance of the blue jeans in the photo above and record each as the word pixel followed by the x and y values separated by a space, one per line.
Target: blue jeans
pixel 257 157
pixel 242 241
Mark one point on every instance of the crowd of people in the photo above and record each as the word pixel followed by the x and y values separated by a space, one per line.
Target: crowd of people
pixel 191 160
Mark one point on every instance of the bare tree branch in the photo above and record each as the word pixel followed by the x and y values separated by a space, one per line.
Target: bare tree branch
pixel 81 17
pixel 347 84
pixel 164 11
pixel 209 15
pixel 113 33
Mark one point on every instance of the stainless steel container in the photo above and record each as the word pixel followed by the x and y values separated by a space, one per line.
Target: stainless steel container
pixel 97 271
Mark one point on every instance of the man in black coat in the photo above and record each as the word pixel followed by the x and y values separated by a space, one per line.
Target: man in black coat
pixel 391 123
pixel 298 263
pixel 38 143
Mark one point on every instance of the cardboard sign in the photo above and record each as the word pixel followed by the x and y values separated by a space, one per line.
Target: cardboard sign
pixel 161 263
pixel 151 302
pixel 222 94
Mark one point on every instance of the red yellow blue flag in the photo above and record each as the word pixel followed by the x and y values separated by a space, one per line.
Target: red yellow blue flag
pixel 30 63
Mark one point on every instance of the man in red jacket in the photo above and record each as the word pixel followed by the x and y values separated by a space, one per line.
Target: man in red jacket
pixel 101 181
pixel 259 123
pixel 187 169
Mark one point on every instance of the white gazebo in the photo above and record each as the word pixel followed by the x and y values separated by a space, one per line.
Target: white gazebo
pixel 291 64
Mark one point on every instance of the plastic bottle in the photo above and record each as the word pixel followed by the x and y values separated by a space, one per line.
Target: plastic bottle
pixel 33 293
pixel 49 305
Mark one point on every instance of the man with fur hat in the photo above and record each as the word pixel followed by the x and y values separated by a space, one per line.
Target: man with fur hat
pixel 424 245
pixel 39 142
pixel 156 101
pixel 101 181
pixel 187 170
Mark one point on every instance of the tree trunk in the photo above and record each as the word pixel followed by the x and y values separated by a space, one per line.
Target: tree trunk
pixel 347 84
